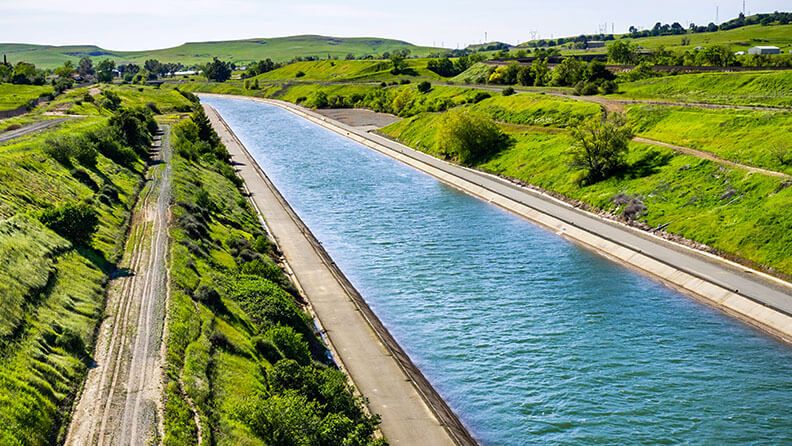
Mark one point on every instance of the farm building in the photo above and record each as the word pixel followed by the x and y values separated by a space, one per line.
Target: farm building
pixel 764 50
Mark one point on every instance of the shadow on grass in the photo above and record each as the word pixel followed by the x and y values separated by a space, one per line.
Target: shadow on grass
pixel 649 164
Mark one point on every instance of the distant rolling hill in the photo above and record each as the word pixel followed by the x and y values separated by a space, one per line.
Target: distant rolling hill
pixel 737 39
pixel 240 51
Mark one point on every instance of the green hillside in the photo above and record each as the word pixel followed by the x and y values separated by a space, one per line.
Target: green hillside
pixel 240 51
pixel 739 39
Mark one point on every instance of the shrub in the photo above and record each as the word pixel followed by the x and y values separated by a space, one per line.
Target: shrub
pixel 508 91
pixel 106 141
pixel 75 222
pixel 83 177
pixel 299 74
pixel 479 96
pixel 424 87
pixel 601 146
pixel 469 136
pixel 290 344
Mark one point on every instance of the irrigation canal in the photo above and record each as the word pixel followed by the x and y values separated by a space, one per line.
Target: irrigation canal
pixel 529 338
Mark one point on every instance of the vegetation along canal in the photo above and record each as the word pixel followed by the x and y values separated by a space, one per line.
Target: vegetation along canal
pixel 530 338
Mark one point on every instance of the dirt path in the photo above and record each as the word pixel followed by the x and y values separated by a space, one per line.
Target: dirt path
pixel 710 156
pixel 120 403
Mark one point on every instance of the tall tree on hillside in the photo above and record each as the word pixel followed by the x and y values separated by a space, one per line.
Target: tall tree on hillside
pixel 65 70
pixel 217 70
pixel 623 52
pixel 104 70
pixel 85 67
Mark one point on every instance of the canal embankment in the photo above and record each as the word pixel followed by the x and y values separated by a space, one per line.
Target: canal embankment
pixel 754 297
pixel 412 411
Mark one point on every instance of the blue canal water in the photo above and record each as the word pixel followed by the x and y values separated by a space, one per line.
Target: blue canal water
pixel 529 338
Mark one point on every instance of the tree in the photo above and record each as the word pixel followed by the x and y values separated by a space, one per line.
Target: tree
pixel 65 70
pixel 85 67
pixel 75 222
pixel 623 52
pixel 424 87
pixel 717 55
pixel 152 66
pixel 540 72
pixel 569 72
pixel 601 146
pixel 218 71
pixel 26 73
pixel 398 62
pixel 469 137
pixel 525 76
pixel 104 70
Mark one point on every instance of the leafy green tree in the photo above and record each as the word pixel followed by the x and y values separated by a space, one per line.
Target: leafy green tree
pixel 540 72
pixel 65 70
pixel 623 52
pixel 469 137
pixel 104 70
pixel 217 70
pixel 85 67
pixel 26 73
pixel 525 76
pixel 152 66
pixel 568 72
pixel 398 62
pixel 716 55
pixel 601 146
pixel 424 87
pixel 75 222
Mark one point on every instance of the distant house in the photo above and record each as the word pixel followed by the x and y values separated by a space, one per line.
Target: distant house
pixel 595 44
pixel 764 50
pixel 186 73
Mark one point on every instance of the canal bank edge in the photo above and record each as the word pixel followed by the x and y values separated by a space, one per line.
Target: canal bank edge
pixel 764 316
pixel 411 409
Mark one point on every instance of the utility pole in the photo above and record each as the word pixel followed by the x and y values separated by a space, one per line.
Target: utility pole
pixel 485 37
pixel 717 14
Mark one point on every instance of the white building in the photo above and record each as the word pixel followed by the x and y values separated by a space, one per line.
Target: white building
pixel 764 50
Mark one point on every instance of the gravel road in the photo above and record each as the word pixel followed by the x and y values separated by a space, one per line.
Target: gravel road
pixel 121 401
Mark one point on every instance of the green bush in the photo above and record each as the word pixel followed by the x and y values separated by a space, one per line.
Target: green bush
pixel 75 222
pixel 290 344
pixel 469 137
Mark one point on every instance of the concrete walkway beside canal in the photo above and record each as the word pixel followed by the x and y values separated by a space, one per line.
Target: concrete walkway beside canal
pixel 412 412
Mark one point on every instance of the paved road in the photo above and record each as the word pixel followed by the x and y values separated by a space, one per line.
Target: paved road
pixel 121 401
pixel 753 285
pixel 30 128
pixel 412 414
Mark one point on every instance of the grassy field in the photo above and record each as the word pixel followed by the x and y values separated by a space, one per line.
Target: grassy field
pixel 755 138
pixel 244 352
pixel 773 88
pixel 14 96
pixel 240 51
pixel 53 291
pixel 348 71
pixel 737 213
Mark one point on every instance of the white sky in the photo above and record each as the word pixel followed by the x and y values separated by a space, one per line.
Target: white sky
pixel 147 24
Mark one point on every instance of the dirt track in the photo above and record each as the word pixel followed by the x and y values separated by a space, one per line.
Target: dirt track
pixel 121 401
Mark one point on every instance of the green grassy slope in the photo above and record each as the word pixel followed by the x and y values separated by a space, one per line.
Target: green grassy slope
pixel 737 213
pixel 738 39
pixel 240 51
pixel 244 353
pixel 347 71
pixel 53 292
pixel 773 88
pixel 14 96
pixel 755 138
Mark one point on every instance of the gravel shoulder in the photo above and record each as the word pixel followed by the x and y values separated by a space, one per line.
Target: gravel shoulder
pixel 121 401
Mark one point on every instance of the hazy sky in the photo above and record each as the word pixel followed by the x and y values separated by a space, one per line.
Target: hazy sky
pixel 145 24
